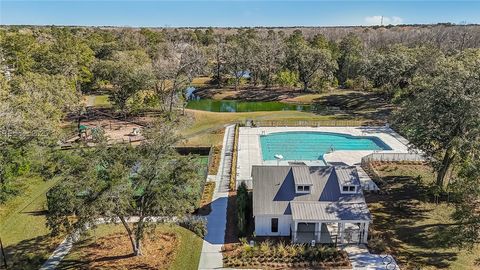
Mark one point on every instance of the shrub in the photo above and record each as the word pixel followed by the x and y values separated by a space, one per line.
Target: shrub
pixel 197 225
pixel 349 84
pixel 287 78
pixel 377 244
pixel 242 209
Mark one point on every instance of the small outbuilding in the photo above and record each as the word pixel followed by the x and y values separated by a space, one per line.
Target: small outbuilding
pixel 324 204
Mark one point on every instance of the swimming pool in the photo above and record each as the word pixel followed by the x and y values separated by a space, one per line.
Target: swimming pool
pixel 304 145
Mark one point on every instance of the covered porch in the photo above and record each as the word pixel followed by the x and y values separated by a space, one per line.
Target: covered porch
pixel 330 232
pixel 330 222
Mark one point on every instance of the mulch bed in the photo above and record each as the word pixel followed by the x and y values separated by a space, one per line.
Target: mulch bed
pixel 115 252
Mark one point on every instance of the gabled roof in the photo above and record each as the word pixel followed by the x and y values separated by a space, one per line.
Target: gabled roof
pixel 302 175
pixel 274 188
pixel 347 176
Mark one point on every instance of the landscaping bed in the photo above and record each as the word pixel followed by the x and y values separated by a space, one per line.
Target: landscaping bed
pixel 108 247
pixel 206 201
pixel 281 255
pixel 215 159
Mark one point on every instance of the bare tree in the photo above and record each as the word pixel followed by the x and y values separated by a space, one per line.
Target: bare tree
pixel 270 57
pixel 175 67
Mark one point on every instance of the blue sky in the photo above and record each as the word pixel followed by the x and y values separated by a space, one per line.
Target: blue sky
pixel 235 13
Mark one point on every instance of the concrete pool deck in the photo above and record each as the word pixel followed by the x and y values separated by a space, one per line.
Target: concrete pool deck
pixel 249 149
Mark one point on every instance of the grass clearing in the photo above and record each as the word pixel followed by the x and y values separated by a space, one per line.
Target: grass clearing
pixel 97 101
pixel 169 247
pixel 206 123
pixel 22 226
pixel 415 230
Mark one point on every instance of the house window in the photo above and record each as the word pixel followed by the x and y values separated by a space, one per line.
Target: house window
pixel 345 188
pixel 303 189
pixel 274 225
pixel 352 188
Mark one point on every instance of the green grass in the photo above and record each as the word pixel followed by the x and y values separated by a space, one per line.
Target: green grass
pixel 22 226
pixel 416 231
pixel 203 129
pixel 187 252
pixel 97 100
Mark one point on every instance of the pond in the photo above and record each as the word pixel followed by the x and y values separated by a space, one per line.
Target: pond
pixel 243 106
pixel 213 105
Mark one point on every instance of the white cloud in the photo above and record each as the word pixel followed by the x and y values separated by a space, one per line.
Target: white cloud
pixel 377 20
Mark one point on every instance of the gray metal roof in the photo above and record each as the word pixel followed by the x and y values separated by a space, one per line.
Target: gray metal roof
pixel 347 176
pixel 330 211
pixel 274 188
pixel 303 175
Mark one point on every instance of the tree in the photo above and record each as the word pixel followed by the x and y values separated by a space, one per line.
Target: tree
pixel 466 189
pixel 137 187
pixel 309 61
pixel 349 62
pixel 219 59
pixel 392 69
pixel 175 69
pixel 129 72
pixel 243 209
pixel 67 55
pixel 32 108
pixel 238 55
pixel 441 117
pixel 269 57
pixel 18 50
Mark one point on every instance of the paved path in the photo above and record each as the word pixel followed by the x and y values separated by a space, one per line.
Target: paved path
pixel 361 258
pixel 211 256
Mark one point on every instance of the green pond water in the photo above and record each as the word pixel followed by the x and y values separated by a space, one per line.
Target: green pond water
pixel 243 106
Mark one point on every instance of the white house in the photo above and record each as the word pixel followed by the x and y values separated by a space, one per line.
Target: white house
pixel 321 203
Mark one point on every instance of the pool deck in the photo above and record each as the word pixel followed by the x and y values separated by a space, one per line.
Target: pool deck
pixel 249 149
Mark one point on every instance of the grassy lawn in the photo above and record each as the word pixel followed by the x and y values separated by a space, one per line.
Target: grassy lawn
pixel 169 247
pixel 205 125
pixel 22 226
pixel 415 230
pixel 97 100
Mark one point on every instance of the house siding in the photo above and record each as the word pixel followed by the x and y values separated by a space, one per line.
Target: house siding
pixel 263 225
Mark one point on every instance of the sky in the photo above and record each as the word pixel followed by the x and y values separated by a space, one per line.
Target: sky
pixel 234 13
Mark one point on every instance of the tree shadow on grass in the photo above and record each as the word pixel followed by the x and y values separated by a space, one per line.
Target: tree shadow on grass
pixel 30 253
pixel 401 219
pixel 356 104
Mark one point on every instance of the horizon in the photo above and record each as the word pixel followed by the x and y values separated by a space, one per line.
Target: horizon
pixel 235 14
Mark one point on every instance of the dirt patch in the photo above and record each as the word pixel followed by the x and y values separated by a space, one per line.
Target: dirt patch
pixel 114 252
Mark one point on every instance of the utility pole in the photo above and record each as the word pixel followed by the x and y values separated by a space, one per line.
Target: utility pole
pixel 3 254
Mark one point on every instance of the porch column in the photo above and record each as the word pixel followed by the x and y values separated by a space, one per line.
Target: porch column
pixel 318 232
pixel 342 232
pixel 294 231
pixel 365 233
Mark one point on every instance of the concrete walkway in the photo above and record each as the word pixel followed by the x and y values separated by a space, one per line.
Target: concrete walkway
pixel 361 258
pixel 211 256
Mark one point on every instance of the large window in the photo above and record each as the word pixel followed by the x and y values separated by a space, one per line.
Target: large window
pixel 274 224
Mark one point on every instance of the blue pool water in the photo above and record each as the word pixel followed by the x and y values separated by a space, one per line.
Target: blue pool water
pixel 304 145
